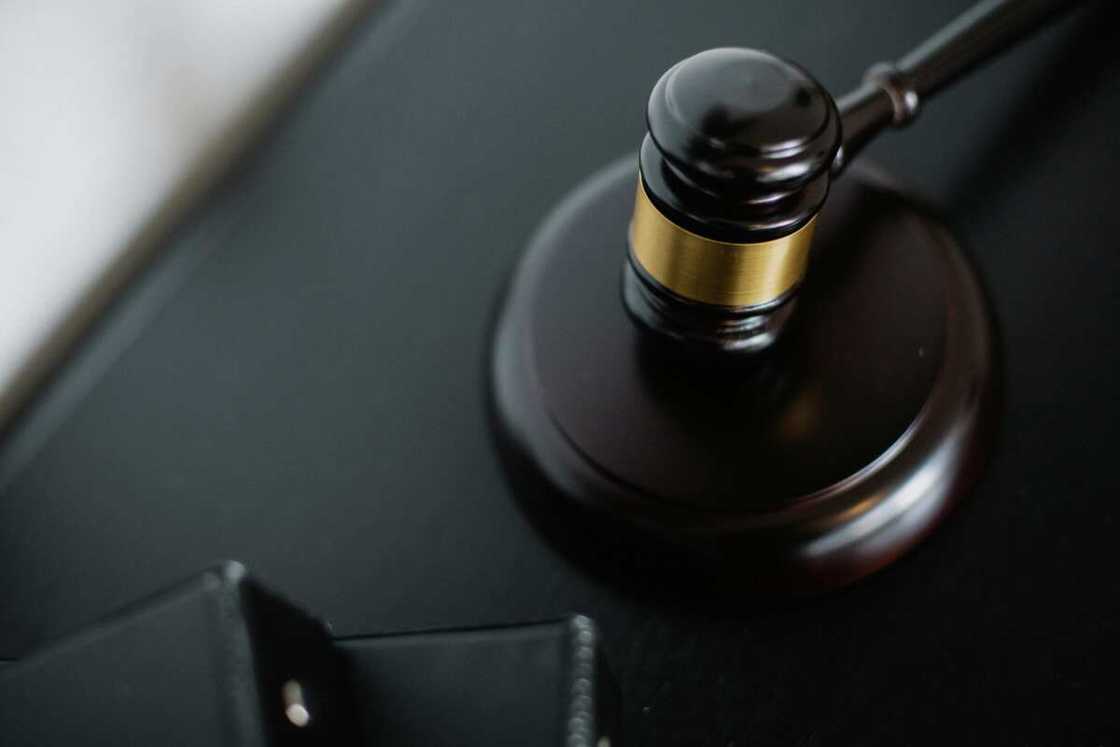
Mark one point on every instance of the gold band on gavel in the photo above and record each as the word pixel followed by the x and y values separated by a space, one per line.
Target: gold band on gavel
pixel 716 272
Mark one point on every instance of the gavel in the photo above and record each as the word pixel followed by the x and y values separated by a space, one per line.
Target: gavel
pixel 790 378
pixel 741 150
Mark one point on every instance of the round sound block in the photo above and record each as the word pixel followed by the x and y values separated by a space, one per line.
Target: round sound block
pixel 801 468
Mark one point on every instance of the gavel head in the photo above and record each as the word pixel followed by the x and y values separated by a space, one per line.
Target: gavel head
pixel 732 175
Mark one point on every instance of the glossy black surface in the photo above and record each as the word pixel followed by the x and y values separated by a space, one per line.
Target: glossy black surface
pixel 740 143
pixel 301 383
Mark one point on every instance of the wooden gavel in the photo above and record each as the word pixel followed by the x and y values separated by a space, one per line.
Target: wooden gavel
pixel 741 150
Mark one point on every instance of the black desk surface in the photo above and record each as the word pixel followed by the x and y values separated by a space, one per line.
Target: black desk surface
pixel 299 382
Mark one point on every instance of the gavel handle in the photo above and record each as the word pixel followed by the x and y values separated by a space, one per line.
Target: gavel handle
pixel 892 93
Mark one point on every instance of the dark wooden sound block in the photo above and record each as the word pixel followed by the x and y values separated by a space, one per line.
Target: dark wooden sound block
pixel 800 468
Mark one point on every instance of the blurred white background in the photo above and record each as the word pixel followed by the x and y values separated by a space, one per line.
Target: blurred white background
pixel 112 112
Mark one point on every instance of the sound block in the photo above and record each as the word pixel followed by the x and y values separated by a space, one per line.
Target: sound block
pixel 799 469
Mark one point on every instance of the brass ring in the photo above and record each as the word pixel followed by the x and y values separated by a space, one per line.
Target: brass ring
pixel 716 272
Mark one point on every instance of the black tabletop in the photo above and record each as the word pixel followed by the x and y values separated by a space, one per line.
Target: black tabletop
pixel 299 382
